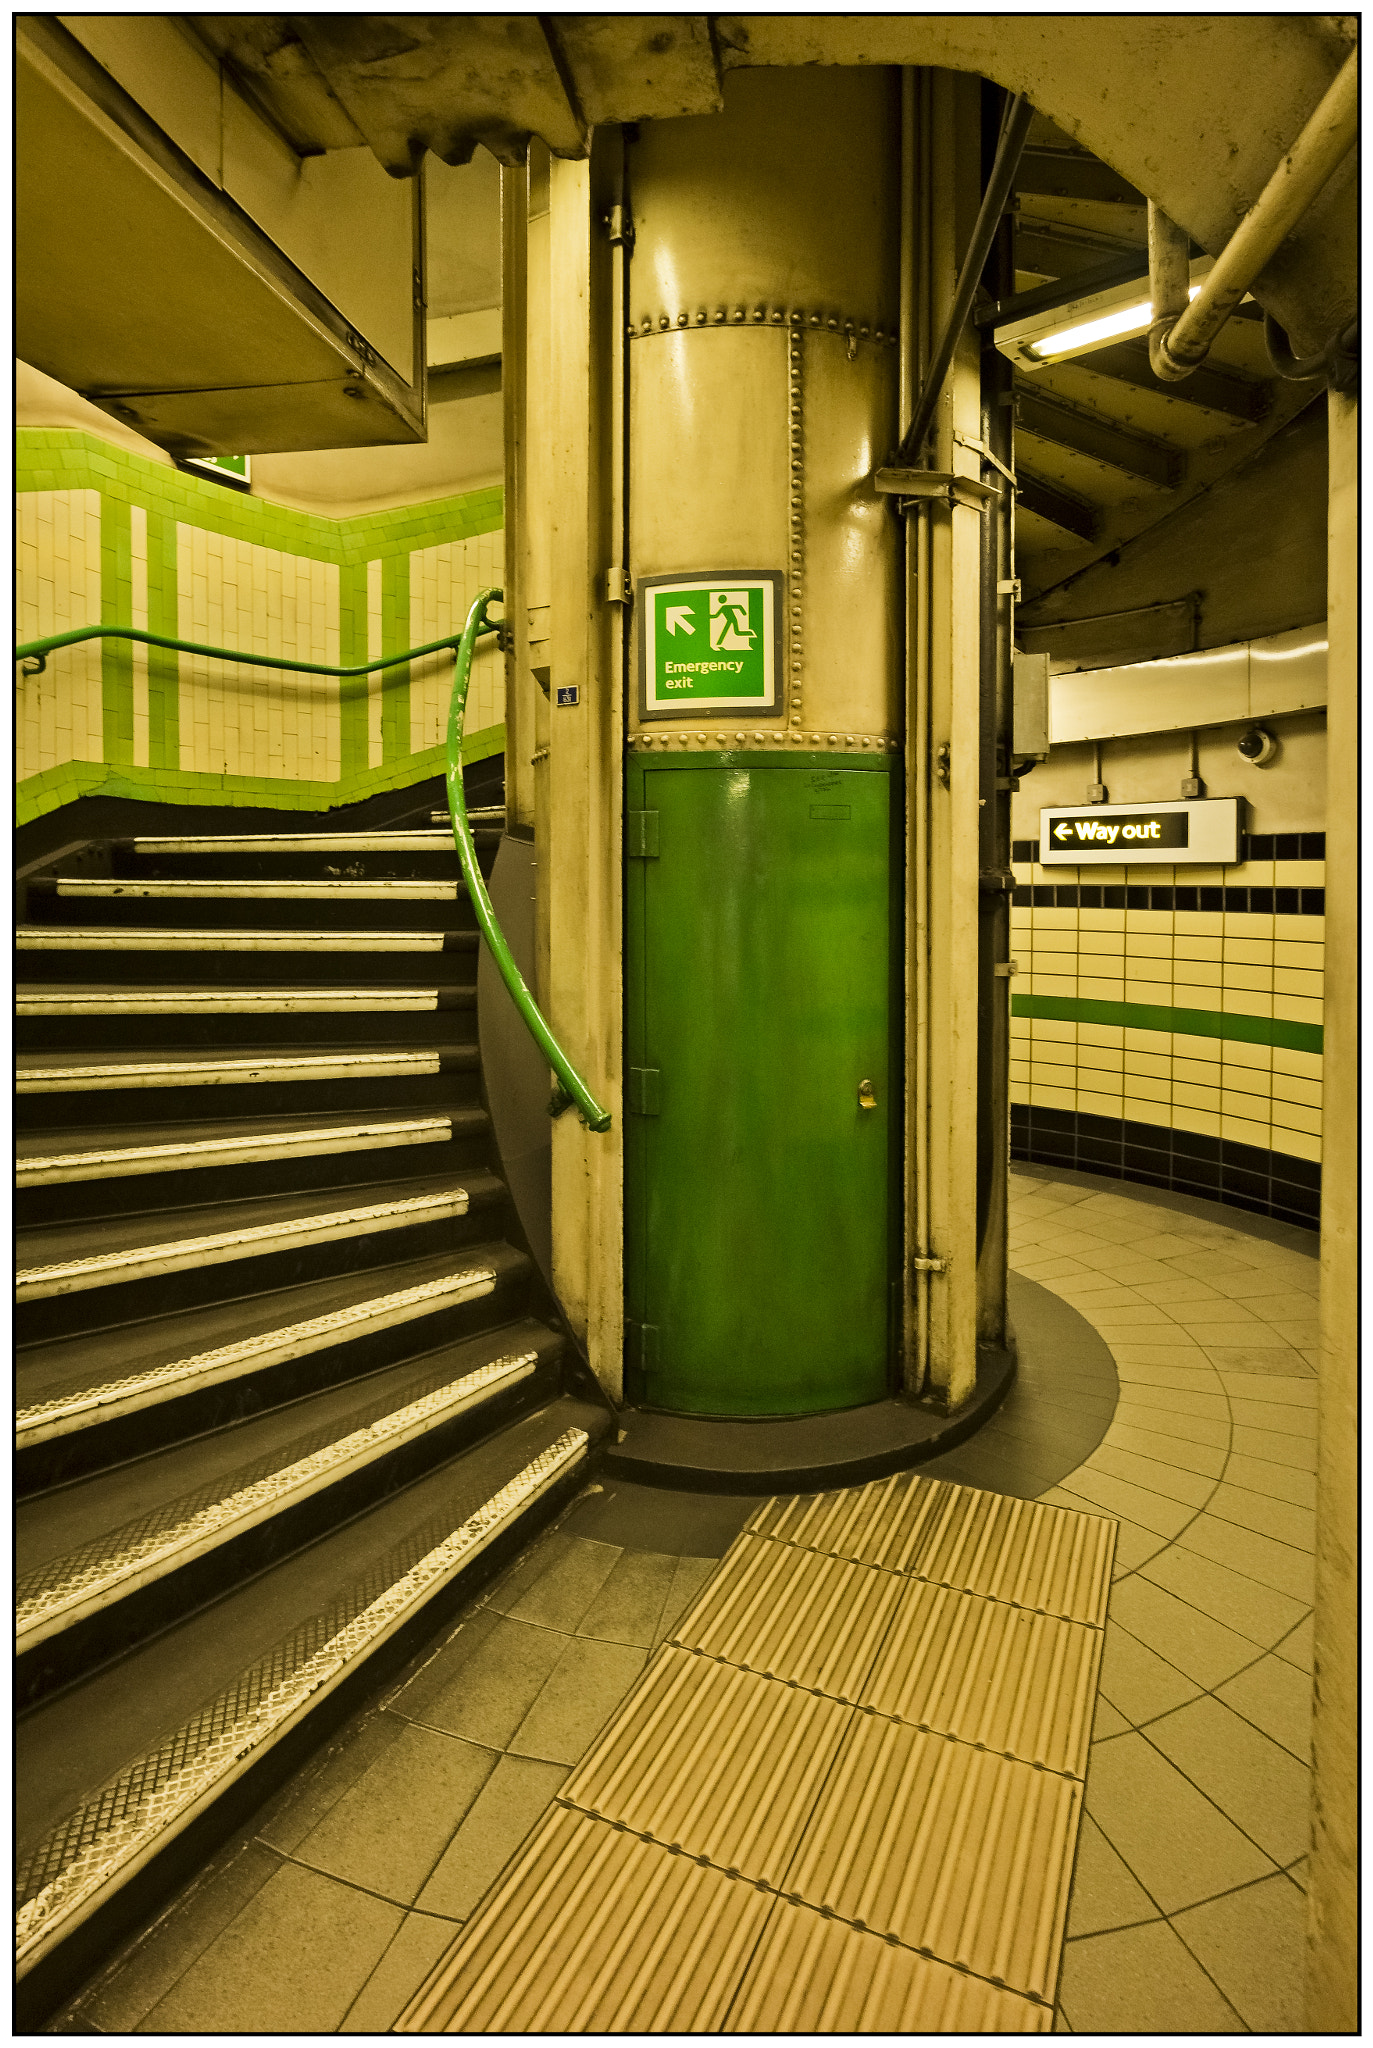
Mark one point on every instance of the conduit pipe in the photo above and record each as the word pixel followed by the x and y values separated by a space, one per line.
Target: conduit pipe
pixel 1182 334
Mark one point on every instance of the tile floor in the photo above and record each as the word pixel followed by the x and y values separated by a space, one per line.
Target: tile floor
pixel 1186 1914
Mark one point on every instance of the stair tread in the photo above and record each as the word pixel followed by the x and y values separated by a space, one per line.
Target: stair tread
pixel 31 1145
pixel 69 1367
pixel 64 1244
pixel 338 887
pixel 223 938
pixel 99 1060
pixel 420 840
pixel 77 1740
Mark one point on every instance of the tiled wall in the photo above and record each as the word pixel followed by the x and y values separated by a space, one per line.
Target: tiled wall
pixel 1166 1024
pixel 107 537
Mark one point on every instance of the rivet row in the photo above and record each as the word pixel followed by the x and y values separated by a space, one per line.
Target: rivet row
pixel 797 319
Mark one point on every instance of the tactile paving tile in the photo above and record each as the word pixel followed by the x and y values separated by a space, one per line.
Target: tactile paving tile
pixel 810 1975
pixel 715 1761
pixel 594 1931
pixel 792 1614
pixel 1052 1560
pixel 948 1849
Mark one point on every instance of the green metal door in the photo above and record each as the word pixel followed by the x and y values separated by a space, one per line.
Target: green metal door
pixel 759 1204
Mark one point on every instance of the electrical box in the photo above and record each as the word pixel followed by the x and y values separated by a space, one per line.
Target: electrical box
pixel 1030 707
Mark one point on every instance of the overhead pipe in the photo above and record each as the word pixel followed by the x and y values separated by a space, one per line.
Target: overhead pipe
pixel 1182 334
pixel 1013 136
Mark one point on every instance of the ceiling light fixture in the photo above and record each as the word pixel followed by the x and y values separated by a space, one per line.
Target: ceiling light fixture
pixel 1062 332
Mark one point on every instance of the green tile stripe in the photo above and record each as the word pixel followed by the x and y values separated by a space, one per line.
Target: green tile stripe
pixel 37 795
pixel 1186 1023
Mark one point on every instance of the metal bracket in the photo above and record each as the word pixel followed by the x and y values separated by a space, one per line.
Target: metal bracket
pixel 914 486
pixel 619 227
pixel 1009 586
pixel 35 666
pixel 1006 968
pixel 617 585
pixel 995 881
pixel 981 448
pixel 941 763
pixel 928 1265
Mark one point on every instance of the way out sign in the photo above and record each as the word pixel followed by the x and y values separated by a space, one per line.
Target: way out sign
pixel 1204 830
pixel 709 645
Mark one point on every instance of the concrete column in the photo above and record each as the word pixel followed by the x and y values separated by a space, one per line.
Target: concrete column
pixel 1333 1890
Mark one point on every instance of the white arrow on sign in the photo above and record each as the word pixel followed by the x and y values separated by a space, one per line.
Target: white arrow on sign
pixel 679 619
pixel 1063 831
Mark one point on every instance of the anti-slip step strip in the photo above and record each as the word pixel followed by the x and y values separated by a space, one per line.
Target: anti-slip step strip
pixel 347 891
pixel 48 938
pixel 176 1255
pixel 210 1001
pixel 100 1846
pixel 65 1413
pixel 303 842
pixel 187 1073
pixel 110 1162
pixel 82 1582
pixel 896 1759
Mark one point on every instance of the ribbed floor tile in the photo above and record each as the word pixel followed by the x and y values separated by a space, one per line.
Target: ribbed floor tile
pixel 810 1975
pixel 595 1932
pixel 990 1674
pixel 791 1614
pixel 714 1761
pixel 1045 1558
pixel 947 1849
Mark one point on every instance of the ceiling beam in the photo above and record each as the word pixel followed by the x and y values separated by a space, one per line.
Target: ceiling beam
pixel 1045 298
pixel 1055 419
pixel 1216 390
pixel 1050 501
pixel 1071 174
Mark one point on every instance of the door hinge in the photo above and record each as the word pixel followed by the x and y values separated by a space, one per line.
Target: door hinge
pixel 617 585
pixel 1006 968
pixel 619 227
pixel 641 835
pixel 929 1265
pixel 644 1090
pixel 941 763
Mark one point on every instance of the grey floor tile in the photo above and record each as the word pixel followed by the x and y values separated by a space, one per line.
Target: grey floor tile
pixel 687 1584
pixel 411 1698
pixel 390 1829
pixel 1276 1697
pixel 1280 1416
pixel 1230 1352
pixel 584 1688
pixel 1202 1649
pixel 1253 1780
pixel 1107 1494
pixel 1104 1894
pixel 1265 1516
pixel 1141 1981
pixel 532 1565
pixel 1107 1720
pixel 418 1944
pixel 323 1781
pixel 1179 1846
pixel 629 1606
pixel 1252 1610
pixel 1252 1555
pixel 1253 1942
pixel 1192 1488
pixel 1208 1403
pixel 1297 1872
pixel 291 1962
pixel 146 1970
pixel 560 1596
pixel 1206 1460
pixel 1137 1681
pixel 1211 1432
pixel 518 1791
pixel 489 1692
pixel 1275 1447
pixel 1298 1648
pixel 1133 1544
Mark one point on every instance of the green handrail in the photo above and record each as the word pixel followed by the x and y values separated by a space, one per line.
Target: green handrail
pixel 572 1090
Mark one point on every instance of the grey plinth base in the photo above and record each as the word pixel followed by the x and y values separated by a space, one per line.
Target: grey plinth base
pixel 802 1453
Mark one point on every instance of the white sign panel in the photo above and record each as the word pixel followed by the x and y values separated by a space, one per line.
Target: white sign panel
pixel 1201 830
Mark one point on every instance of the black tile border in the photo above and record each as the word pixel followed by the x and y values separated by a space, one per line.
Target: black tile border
pixel 1253 846
pixel 1216 1169
pixel 1287 902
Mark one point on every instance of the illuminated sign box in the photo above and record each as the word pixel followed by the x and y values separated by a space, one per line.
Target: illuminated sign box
pixel 710 645
pixel 1203 831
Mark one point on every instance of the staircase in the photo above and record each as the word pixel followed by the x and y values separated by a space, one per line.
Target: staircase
pixel 289 1384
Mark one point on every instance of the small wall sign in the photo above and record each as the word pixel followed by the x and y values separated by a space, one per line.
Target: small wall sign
pixel 569 693
pixel 709 644
pixel 1202 831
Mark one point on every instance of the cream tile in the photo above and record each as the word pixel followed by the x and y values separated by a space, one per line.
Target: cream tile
pixel 1219 1311
pixel 1133 1543
pixel 1182 1367
pixel 1215 1267
pixel 1272 1416
pixel 1210 1433
pixel 1192 1488
pixel 1125 1314
pixel 1260 1475
pixel 1254 1781
pixel 1206 1459
pixel 1178 1289
pixel 1276 1308
pixel 1303 1334
pixel 1140 1980
pixel 1104 1894
pixel 1279 1519
pixel 1174 1840
pixel 1096 1296
pixel 1253 1943
pixel 1254 1556
pixel 1107 1722
pixel 1204 1650
pixel 1137 1681
pixel 1276 1697
pixel 1298 1648
pixel 1141 1392
pixel 1055 1267
pixel 1115 1497
pixel 1275 1448
pixel 1258 1355
pixel 1254 1611
pixel 1124 1266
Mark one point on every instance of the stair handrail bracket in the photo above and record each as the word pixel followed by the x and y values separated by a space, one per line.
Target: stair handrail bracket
pixel 572 1091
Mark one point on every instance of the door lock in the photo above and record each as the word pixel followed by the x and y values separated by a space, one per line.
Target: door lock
pixel 867 1095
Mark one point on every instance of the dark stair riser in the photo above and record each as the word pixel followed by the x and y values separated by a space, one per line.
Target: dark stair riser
pixel 456 1086
pixel 100 1444
pixel 95 1308
pixel 341 911
pixel 88 1644
pixel 192 1187
pixel 448 1022
pixel 438 864
pixel 452 967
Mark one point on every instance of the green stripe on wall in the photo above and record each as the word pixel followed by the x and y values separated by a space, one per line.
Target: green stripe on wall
pixel 116 656
pixel 1187 1023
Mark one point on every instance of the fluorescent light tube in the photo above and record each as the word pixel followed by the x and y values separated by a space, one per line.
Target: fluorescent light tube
pixel 1091 322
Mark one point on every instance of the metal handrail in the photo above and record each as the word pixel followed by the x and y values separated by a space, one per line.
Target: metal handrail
pixel 572 1090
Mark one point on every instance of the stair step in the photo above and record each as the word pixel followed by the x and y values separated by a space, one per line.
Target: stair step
pixel 420 841
pixel 186 1071
pixel 484 814
pixel 33 1000
pixel 385 888
pixel 68 1588
pixel 114 1770
pixel 108 1155
pixel 75 1384
pixel 83 1256
pixel 47 938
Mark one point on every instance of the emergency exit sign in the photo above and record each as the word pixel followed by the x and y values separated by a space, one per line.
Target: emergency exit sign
pixel 709 645
pixel 1203 830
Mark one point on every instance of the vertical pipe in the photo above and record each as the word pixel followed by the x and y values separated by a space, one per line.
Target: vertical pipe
pixel 918 628
pixel 519 743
